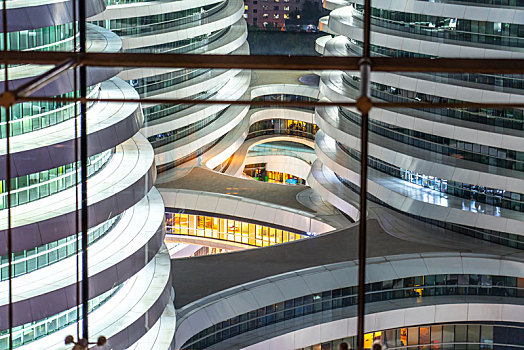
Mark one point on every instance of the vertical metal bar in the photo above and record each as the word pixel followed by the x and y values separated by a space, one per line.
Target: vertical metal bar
pixel 77 177
pixel 367 29
pixel 362 237
pixel 8 182
pixel 83 163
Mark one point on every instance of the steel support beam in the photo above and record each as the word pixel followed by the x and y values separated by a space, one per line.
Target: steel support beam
pixel 390 105
pixel 83 166
pixel 271 62
pixel 7 108
pixel 364 105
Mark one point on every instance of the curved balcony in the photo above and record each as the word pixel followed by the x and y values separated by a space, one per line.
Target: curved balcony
pixel 211 155
pixel 199 84
pixel 39 257
pixel 113 259
pixel 44 13
pixel 99 40
pixel 469 126
pixel 221 39
pixel 483 334
pixel 334 4
pixel 261 203
pixel 233 89
pixel 33 187
pixel 420 160
pixel 225 232
pixel 324 181
pixel 224 42
pixel 298 151
pixel 210 133
pixel 237 164
pixel 134 26
pixel 508 83
pixel 222 19
pixel 503 11
pixel 343 194
pixel 159 337
pixel 341 22
pixel 108 124
pixel 433 21
pixel 262 131
pixel 273 321
pixel 122 183
pixel 269 305
pixel 280 163
pixel 32 116
pixel 128 316
pixel 418 200
pixel 137 8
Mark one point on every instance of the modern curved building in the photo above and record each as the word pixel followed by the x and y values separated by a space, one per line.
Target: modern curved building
pixel 445 268
pixel 436 174
pixel 459 169
pixel 182 134
pixel 451 292
pixel 278 140
pixel 130 291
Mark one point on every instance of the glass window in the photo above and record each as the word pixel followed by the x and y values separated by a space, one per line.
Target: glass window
pixel 448 334
pixel 436 334
pixel 424 335
pixel 473 333
pixel 486 334
pixel 460 333
pixel 413 336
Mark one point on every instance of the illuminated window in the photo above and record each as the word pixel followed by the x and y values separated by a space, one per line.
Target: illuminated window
pixel 225 229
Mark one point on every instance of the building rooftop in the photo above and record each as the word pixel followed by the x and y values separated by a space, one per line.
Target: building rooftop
pixel 199 277
pixel 205 180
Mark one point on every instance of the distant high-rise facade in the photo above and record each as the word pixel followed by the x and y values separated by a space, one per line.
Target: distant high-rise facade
pixel 273 14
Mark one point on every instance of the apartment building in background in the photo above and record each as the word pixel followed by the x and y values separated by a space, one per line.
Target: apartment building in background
pixel 275 14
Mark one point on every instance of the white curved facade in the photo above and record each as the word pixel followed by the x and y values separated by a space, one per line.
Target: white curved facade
pixel 182 134
pixel 264 125
pixel 127 258
pixel 301 308
pixel 461 169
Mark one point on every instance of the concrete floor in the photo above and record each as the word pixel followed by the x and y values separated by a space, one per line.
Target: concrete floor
pixel 201 179
pixel 269 77
pixel 390 234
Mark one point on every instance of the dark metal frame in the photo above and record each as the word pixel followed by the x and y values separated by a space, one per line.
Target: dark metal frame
pixel 364 106
pixel 8 186
pixel 270 62
pixel 83 168
pixel 80 60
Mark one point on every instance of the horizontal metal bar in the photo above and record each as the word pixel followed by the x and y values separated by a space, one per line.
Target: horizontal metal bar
pixel 42 80
pixel 272 62
pixel 155 101
pixel 415 105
